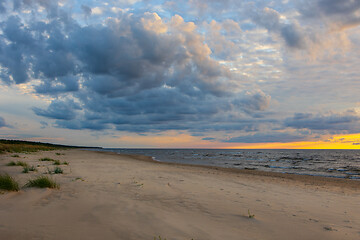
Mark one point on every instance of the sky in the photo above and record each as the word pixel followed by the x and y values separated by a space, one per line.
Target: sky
pixel 181 74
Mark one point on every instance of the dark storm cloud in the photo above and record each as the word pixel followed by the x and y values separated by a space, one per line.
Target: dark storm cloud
pixel 59 110
pixel 267 138
pixel 133 73
pixel 58 85
pixel 347 121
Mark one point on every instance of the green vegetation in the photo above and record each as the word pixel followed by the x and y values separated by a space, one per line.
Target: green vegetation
pixel 57 162
pixel 250 215
pixel 16 146
pixel 58 170
pixel 8 183
pixel 18 163
pixel 46 159
pixel 42 182
pixel 12 163
pixel 28 169
pixel 59 154
pixel 15 155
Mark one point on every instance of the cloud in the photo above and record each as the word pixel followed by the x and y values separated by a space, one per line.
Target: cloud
pixel 347 121
pixel 136 72
pixel 253 101
pixel 65 110
pixel 86 9
pixel 290 31
pixel 2 7
pixel 2 122
pixel 340 13
pixel 267 138
pixel 209 139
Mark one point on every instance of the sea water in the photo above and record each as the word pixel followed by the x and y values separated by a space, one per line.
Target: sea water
pixel 331 163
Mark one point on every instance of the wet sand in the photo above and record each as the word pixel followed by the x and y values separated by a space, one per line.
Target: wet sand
pixel 111 196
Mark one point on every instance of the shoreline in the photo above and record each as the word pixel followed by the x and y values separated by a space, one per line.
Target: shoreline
pixel 290 162
pixel 106 195
pixel 309 179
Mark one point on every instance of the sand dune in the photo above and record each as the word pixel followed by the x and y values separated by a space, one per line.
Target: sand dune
pixel 109 196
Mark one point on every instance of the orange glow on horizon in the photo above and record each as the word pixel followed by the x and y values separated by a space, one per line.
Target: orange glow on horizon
pixel 174 139
pixel 351 141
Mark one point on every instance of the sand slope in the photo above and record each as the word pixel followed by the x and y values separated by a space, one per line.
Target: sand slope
pixel 107 196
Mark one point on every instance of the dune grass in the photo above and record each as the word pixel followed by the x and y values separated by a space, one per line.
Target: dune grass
pixel 46 159
pixel 57 162
pixel 58 170
pixel 12 163
pixel 8 183
pixel 42 182
pixel 16 146
pixel 15 155
pixel 250 215
pixel 18 163
pixel 28 169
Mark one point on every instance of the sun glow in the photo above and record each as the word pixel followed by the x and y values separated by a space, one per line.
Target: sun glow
pixel 351 141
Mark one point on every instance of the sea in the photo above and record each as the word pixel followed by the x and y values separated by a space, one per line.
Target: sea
pixel 330 163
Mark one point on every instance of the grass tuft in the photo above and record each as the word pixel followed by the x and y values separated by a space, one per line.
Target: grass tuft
pixel 250 215
pixel 58 170
pixel 28 169
pixel 42 182
pixel 8 183
pixel 65 163
pixel 57 162
pixel 46 159
pixel 18 163
pixel 15 155
pixel 12 163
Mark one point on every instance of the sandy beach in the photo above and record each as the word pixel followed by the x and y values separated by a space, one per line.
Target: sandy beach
pixel 110 196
